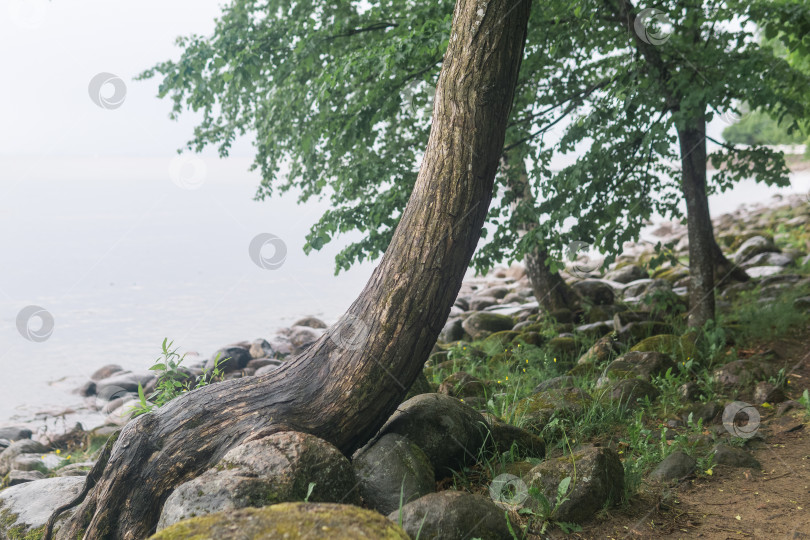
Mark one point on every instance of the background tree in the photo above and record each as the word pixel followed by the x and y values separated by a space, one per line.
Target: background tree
pixel 629 89
pixel 337 390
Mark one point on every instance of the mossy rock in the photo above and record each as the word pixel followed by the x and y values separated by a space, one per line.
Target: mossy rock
pixel 604 349
pixel 671 274
pixel 481 324
pixel 536 410
pixel 681 348
pixel 564 349
pixel 529 338
pixel 289 521
pixel 536 327
pixel 502 339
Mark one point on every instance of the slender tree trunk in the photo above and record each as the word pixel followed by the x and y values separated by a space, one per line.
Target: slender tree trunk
pixel 701 238
pixel 550 289
pixel 346 385
pixel 724 269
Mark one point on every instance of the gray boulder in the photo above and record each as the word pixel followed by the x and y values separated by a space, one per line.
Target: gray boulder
pixel 391 468
pixel 277 468
pixel 636 364
pixel 124 381
pixel 21 477
pixel 754 246
pixel 596 480
pixel 480 324
pixel 449 432
pixel 25 508
pixel 106 371
pixel 25 446
pixel 629 392
pixel 734 457
pixel 675 466
pixel 768 259
pixel 310 322
pixel 627 274
pixel 261 348
pixel 452 331
pixel 15 433
pixel 230 359
pixel 452 515
pixel 595 291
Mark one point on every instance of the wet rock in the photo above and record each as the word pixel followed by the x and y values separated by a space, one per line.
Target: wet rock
pixel 230 359
pixel 107 371
pixel 125 381
pixel 452 331
pixel 453 515
pixel 675 466
pixel 447 430
pixel 17 477
pixel 87 389
pixel 595 291
pixel 261 348
pixel 480 324
pixel 597 480
pixel 390 469
pixel 277 468
pixel 25 508
pixel 310 322
pixel 290 520
pixel 24 446
pixel 734 457
pixel 15 433
pixel 754 246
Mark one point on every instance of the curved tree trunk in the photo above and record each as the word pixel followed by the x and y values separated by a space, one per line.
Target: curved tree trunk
pixel 347 384
pixel 701 237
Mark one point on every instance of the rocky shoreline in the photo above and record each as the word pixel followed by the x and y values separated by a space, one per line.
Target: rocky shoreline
pixel 623 317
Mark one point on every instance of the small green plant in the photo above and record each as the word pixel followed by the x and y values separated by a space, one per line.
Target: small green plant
pixel 310 487
pixel 172 382
pixel 805 400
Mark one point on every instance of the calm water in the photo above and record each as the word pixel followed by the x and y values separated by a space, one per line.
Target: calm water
pixel 122 257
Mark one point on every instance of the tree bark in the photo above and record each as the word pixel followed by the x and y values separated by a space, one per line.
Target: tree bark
pixel 692 139
pixel 348 383
pixel 550 289
pixel 724 269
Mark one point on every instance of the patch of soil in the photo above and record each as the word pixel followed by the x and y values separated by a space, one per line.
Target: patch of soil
pixel 732 503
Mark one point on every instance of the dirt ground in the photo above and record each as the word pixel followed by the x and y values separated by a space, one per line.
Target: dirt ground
pixel 732 503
